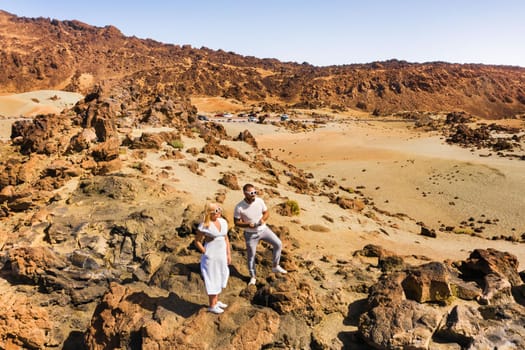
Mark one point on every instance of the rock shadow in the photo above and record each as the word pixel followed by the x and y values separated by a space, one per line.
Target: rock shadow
pixel 352 341
pixel 518 292
pixel 172 303
pixel 75 341
pixel 236 274
pixel 355 310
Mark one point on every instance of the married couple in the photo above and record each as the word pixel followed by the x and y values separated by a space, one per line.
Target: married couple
pixel 212 241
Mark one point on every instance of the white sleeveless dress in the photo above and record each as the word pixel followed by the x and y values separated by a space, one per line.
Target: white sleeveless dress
pixel 214 263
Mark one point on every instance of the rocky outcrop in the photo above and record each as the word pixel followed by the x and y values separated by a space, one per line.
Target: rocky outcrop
pixel 404 325
pixel 45 134
pixel 24 325
pixel 80 279
pixel 288 296
pixel 224 151
pixel 247 137
pixel 153 318
pixel 411 309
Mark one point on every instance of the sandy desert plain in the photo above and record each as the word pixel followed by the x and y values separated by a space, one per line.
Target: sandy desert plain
pixel 401 170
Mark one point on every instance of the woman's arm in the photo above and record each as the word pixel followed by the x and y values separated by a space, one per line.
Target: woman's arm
pixel 199 237
pixel 228 250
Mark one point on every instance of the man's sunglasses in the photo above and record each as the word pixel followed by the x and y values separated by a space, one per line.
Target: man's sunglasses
pixel 251 193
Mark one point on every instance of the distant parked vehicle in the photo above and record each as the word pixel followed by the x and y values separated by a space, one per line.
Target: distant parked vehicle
pixel 202 117
pixel 227 115
pixel 252 119
pixel 284 117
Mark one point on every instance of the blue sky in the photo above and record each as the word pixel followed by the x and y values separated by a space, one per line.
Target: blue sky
pixel 323 32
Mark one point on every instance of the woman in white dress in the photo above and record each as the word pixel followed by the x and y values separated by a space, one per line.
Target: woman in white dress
pixel 212 241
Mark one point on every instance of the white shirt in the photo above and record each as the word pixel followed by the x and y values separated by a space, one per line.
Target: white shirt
pixel 250 213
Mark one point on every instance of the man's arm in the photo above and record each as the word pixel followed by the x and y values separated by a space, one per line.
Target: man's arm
pixel 265 216
pixel 239 223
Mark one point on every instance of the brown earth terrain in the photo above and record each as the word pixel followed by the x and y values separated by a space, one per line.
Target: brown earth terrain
pixel 100 194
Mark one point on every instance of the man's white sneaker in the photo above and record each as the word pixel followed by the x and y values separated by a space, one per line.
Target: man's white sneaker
pixel 216 309
pixel 252 281
pixel 221 305
pixel 279 269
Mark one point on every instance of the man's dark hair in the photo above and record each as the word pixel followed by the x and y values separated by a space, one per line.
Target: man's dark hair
pixel 246 187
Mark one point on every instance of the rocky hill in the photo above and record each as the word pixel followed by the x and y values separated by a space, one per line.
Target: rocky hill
pixel 50 54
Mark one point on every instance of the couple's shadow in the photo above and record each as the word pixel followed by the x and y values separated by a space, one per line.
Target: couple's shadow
pixel 174 302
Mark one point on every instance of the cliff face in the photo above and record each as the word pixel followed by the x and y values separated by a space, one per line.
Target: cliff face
pixel 50 54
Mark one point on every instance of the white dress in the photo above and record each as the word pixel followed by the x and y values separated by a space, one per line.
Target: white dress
pixel 214 263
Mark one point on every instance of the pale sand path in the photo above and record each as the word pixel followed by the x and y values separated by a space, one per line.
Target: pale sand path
pixel 397 161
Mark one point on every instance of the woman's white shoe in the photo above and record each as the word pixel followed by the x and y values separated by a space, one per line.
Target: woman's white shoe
pixel 216 309
pixel 221 305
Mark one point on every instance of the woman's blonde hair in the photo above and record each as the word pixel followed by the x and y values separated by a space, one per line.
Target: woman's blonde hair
pixel 207 213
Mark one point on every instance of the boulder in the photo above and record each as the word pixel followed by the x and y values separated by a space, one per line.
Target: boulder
pixel 482 262
pixel 247 137
pixel 428 283
pixel 213 147
pixel 286 295
pixel 106 151
pixel 461 325
pixel 400 325
pixel 497 290
pixel 350 203
pixel 229 180
pixel 388 290
pixel 31 263
pixel 83 140
pixel 301 184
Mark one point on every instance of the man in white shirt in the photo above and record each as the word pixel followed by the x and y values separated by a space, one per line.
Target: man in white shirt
pixel 251 214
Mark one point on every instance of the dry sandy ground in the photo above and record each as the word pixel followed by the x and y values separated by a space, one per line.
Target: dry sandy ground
pixel 419 175
pixel 404 171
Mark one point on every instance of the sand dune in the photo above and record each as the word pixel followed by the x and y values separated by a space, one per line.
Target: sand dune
pixel 29 104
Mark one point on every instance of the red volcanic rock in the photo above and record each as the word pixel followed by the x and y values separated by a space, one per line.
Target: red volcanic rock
pixel 301 184
pixel 482 262
pixel 349 203
pixel 428 283
pixel 46 134
pixel 230 180
pixel 247 137
pixel 24 325
pixel 106 151
pixel 30 263
pixel 215 148
pixel 153 140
